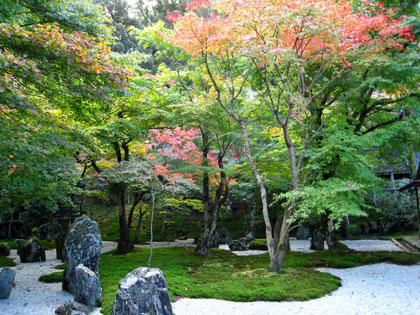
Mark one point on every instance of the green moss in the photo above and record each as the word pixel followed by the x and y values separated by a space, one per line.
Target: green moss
pixel 52 277
pixel 217 275
pixel 6 262
pixel 61 267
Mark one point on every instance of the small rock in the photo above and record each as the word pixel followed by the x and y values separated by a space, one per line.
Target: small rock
pixel 242 243
pixel 71 308
pixel 4 249
pixel 87 288
pixel 142 291
pixel 7 276
pixel 32 251
pixel 237 245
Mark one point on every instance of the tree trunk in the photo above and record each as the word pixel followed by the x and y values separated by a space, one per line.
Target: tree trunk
pixel 124 243
pixel 136 238
pixel 282 242
pixel 246 227
pixel 275 260
pixel 137 198
pixel 254 209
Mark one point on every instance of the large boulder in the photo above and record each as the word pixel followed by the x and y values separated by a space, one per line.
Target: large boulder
pixel 143 291
pixel 317 241
pixel 7 276
pixel 32 251
pixel 83 245
pixel 87 288
pixel 71 308
pixel 4 249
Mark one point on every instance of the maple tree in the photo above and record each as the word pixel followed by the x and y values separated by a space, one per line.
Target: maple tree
pixel 287 47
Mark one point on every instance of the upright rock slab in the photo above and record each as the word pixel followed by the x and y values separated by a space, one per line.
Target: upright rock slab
pixel 87 289
pixel 7 276
pixel 83 245
pixel 32 251
pixel 143 291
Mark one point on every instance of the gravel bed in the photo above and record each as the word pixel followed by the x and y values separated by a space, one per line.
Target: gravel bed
pixel 384 289
pixel 30 296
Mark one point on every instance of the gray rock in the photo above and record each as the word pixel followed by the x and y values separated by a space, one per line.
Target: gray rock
pixel 4 249
pixel 7 276
pixel 87 288
pixel 71 308
pixel 83 245
pixel 143 291
pixel 242 243
pixel 32 251
pixel 317 241
pixel 302 233
pixel 237 245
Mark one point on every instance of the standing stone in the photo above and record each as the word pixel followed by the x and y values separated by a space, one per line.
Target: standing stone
pixel 317 241
pixel 32 251
pixel 83 245
pixel 7 276
pixel 88 288
pixel 4 249
pixel 143 291
pixel 302 233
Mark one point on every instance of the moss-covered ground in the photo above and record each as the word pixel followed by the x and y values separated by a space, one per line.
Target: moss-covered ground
pixel 223 275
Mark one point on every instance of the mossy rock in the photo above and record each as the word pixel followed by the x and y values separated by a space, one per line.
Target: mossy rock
pixel 340 247
pixel 32 251
pixel 258 245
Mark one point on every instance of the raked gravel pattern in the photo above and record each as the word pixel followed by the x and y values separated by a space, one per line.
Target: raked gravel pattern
pixel 384 289
pixel 376 289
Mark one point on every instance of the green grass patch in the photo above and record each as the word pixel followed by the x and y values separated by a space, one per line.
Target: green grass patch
pixel 6 262
pixel 52 277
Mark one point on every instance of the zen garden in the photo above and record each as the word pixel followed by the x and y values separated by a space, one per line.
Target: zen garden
pixel 209 157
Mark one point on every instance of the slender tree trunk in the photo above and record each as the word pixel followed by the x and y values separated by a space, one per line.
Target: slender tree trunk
pixel 254 209
pixel 274 259
pixel 282 243
pixel 141 214
pixel 137 198
pixel 124 244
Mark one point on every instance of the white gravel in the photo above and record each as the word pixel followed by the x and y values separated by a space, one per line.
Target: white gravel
pixel 30 296
pixel 375 289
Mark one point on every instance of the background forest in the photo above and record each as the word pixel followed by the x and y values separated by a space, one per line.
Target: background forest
pixel 208 121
